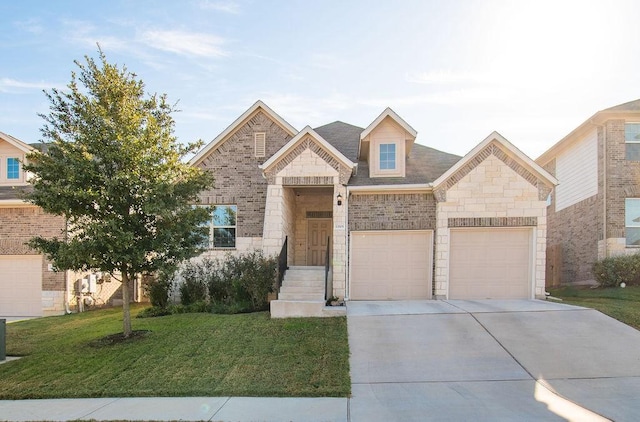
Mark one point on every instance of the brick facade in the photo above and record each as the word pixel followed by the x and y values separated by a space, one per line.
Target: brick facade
pixel 578 235
pixel 238 180
pixel 392 211
pixel 18 225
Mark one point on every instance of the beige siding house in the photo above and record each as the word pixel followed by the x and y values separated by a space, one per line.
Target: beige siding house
pixel 397 219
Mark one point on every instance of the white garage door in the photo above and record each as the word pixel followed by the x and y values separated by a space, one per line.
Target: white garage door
pixel 490 263
pixel 391 265
pixel 21 285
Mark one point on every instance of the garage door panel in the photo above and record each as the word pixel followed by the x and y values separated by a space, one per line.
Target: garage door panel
pixel 492 263
pixel 391 265
pixel 20 285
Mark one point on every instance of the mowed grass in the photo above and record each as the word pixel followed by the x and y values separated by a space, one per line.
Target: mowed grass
pixel 182 355
pixel 618 303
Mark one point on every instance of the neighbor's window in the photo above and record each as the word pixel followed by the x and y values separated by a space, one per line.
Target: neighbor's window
pixel 632 221
pixel 13 168
pixel 387 156
pixel 632 140
pixel 224 226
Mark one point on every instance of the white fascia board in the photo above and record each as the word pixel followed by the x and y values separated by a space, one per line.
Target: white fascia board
pixel 291 144
pixel 495 136
pixel 236 123
pixel 426 187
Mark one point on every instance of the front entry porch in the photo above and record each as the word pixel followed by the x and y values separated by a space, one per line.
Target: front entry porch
pixel 309 222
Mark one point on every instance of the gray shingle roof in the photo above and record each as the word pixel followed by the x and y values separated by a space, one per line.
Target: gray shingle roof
pixel 14 192
pixel 424 164
pixel 628 106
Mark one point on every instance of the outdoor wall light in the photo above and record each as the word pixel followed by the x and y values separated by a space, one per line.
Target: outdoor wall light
pixel 339 199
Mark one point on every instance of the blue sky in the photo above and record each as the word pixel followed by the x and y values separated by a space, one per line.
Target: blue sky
pixel 454 70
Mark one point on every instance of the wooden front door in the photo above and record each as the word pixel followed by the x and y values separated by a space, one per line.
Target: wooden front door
pixel 318 235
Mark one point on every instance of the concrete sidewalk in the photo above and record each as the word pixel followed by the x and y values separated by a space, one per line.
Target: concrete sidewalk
pixel 227 409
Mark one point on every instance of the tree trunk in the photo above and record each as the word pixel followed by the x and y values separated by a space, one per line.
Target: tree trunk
pixel 126 312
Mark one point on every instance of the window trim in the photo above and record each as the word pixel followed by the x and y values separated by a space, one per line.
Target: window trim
pixel 213 227
pixel 635 143
pixel 626 227
pixel 388 161
pixel 4 169
pixel 260 144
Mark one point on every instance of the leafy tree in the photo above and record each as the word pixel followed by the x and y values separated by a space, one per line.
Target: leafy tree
pixel 115 171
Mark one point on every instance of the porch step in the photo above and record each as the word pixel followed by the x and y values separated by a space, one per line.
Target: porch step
pixel 302 295
pixel 304 308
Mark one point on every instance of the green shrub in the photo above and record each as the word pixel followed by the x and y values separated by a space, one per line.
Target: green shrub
pixel 610 272
pixel 193 288
pixel 236 284
pixel 159 288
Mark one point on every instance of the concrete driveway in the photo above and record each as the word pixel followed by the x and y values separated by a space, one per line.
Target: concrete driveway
pixel 492 361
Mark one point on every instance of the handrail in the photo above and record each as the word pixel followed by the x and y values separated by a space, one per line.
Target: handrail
pixel 326 271
pixel 282 264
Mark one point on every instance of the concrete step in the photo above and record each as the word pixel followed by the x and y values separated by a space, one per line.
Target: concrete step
pixel 302 289
pixel 302 283
pixel 310 308
pixel 300 296
pixel 304 275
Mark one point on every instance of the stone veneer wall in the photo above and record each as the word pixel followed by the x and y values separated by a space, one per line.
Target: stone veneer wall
pixel 490 192
pixel 238 180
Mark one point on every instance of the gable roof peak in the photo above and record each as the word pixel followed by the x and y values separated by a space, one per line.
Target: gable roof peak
pixel 16 142
pixel 388 112
pixel 259 104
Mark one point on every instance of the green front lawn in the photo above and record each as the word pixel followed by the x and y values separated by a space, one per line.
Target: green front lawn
pixel 618 303
pixel 182 355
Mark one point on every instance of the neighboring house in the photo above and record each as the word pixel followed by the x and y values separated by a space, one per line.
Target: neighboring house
pixel 28 284
pixel 401 220
pixel 594 212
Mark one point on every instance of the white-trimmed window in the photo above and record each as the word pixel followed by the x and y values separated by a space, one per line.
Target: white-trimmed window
pixel 632 141
pixel 223 226
pixel 260 139
pixel 632 221
pixel 388 157
pixel 10 169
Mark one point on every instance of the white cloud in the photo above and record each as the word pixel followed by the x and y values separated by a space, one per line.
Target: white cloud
pixel 231 7
pixel 185 43
pixel 13 85
pixel 31 25
pixel 451 97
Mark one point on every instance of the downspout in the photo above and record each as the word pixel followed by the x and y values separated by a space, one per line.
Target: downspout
pixel 604 191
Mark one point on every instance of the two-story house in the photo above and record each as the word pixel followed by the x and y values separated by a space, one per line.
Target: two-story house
pixel 594 212
pixel 398 220
pixel 29 286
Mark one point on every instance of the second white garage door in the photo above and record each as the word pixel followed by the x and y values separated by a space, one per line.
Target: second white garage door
pixel 21 285
pixel 490 263
pixel 391 265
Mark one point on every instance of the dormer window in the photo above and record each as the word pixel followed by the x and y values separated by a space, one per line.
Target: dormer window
pixel 387 156
pixel 13 168
pixel 10 169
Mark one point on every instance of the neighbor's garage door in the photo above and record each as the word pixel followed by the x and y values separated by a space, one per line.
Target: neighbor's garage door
pixel 20 285
pixel 391 265
pixel 490 263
